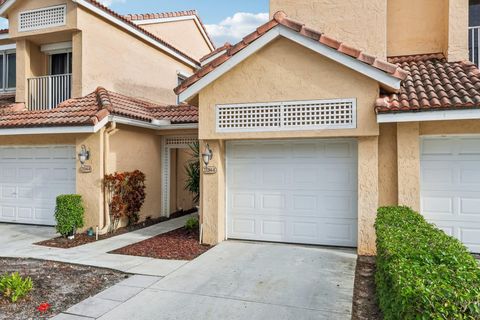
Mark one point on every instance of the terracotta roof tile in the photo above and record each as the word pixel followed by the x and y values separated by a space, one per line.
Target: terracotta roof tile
pixel 91 109
pixel 226 46
pixel 280 18
pixel 433 83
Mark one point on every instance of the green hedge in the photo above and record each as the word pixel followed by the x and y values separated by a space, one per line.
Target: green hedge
pixel 69 214
pixel 422 273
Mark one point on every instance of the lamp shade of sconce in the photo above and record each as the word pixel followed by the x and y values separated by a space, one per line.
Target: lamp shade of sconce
pixel 207 155
pixel 84 154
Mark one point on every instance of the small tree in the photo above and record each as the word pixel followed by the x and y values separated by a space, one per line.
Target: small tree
pixel 125 196
pixel 69 214
pixel 192 169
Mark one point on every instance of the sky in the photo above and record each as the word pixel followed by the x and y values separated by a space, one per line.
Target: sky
pixel 225 20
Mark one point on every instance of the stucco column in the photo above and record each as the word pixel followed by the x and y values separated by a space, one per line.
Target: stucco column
pixel 457 30
pixel 408 158
pixel 212 195
pixel 23 69
pixel 77 62
pixel 367 194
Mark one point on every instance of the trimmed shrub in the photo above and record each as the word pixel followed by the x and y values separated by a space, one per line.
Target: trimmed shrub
pixel 69 214
pixel 14 287
pixel 192 224
pixel 422 273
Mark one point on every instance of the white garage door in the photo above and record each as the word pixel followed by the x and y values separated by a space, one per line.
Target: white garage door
pixel 30 180
pixel 302 191
pixel 450 186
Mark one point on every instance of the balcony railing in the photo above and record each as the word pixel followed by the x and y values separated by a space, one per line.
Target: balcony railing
pixel 45 93
pixel 474 44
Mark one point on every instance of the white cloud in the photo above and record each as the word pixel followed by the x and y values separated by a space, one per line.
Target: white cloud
pixel 232 29
pixel 108 3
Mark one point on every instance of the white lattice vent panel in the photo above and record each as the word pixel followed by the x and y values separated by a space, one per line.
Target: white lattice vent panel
pixel 180 141
pixel 299 115
pixel 42 18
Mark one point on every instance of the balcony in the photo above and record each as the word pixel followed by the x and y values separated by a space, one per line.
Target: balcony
pixel 474 44
pixel 47 92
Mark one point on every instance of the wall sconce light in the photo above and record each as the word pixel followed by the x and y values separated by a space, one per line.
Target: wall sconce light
pixel 84 155
pixel 207 156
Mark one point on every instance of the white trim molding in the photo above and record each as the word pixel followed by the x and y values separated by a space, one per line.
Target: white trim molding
pixel 215 56
pixel 59 47
pixel 8 47
pixel 181 18
pixel 382 77
pixel 429 116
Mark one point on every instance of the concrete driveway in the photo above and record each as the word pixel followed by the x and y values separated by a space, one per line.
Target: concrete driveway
pixel 241 280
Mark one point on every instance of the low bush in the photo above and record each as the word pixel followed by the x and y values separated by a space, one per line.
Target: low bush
pixel 192 224
pixel 422 273
pixel 14 287
pixel 69 214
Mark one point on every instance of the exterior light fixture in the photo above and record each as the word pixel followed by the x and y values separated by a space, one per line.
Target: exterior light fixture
pixel 207 156
pixel 84 155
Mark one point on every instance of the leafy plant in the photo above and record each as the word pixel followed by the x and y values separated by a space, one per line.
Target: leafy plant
pixel 192 169
pixel 125 195
pixel 14 287
pixel 192 224
pixel 422 273
pixel 69 214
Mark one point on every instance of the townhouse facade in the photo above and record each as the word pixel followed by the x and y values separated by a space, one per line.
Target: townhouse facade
pixel 334 108
pixel 79 78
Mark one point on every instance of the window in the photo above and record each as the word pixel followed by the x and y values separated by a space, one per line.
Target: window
pixel 474 13
pixel 8 70
pixel 60 63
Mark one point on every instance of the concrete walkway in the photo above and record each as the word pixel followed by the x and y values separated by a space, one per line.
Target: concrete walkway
pixel 16 241
pixel 235 280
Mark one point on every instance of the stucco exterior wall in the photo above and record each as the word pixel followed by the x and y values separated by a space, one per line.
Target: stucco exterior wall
pixel 387 165
pixel 136 149
pixel 285 71
pixel 361 24
pixel 20 6
pixel 367 194
pixel 184 35
pixel 408 163
pixel 120 62
pixel 457 30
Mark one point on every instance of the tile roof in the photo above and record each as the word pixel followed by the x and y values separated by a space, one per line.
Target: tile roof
pixel 93 108
pixel 130 23
pixel 163 15
pixel 226 46
pixel 433 83
pixel 280 18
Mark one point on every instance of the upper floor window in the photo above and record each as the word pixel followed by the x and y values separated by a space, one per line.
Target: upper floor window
pixel 60 63
pixel 8 72
pixel 474 13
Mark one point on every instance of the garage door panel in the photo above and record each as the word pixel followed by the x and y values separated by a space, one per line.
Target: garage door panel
pixel 300 194
pixel 450 186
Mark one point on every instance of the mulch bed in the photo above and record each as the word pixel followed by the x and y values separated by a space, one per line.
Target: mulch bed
pixel 59 284
pixel 180 244
pixel 365 303
pixel 83 238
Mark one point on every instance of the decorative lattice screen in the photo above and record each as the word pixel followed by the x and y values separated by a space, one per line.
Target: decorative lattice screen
pixel 298 115
pixel 42 18
pixel 179 141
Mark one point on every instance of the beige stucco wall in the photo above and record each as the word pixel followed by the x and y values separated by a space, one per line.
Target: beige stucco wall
pixel 457 30
pixel 285 71
pixel 120 62
pixel 183 34
pixel 408 163
pixel 387 165
pixel 361 24
pixel 367 194
pixel 20 6
pixel 137 149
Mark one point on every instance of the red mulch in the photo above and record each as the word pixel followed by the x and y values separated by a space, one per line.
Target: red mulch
pixel 180 244
pixel 83 238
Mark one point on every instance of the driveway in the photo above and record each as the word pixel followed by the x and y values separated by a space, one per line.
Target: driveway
pixel 238 280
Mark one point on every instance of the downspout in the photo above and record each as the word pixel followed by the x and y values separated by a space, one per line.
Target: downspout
pixel 106 151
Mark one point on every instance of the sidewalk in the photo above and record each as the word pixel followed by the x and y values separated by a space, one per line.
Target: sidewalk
pixel 16 241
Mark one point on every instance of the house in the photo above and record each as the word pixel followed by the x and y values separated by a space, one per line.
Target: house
pixel 334 108
pixel 80 78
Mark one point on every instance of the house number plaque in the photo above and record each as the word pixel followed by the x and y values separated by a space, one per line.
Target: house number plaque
pixel 85 168
pixel 209 170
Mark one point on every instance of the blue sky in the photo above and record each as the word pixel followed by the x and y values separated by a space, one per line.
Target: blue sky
pixel 226 20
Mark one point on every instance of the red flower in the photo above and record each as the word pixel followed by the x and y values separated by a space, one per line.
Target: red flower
pixel 43 307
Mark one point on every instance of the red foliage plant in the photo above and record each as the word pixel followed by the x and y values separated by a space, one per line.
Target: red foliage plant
pixel 125 195
pixel 42 308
